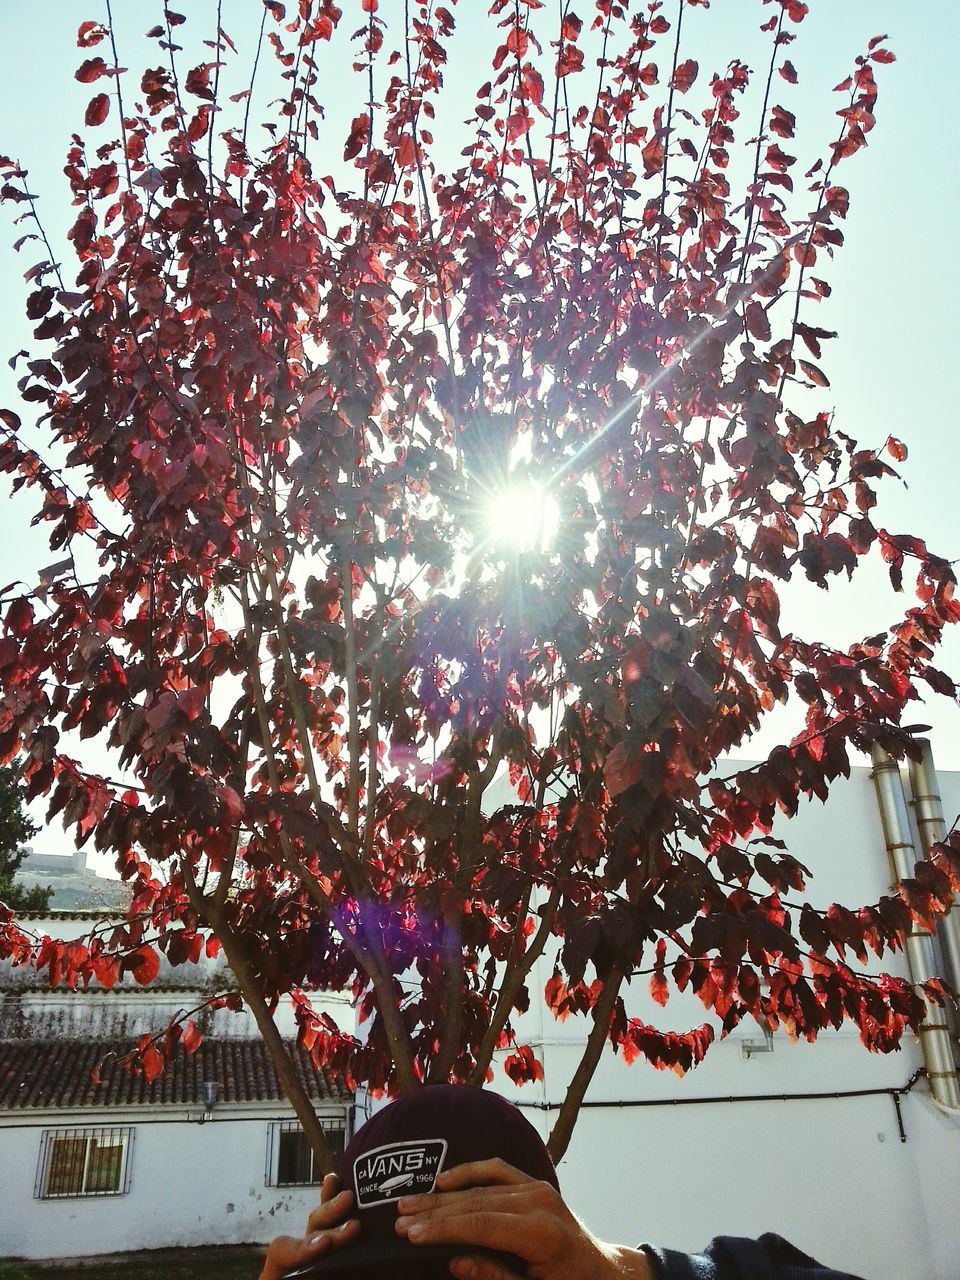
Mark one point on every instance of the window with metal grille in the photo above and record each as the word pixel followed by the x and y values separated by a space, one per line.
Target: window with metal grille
pixel 290 1161
pixel 83 1162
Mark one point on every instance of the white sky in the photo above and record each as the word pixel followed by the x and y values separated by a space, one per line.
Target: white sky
pixel 895 282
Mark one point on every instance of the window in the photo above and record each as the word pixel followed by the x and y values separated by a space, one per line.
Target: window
pixel 290 1161
pixel 84 1162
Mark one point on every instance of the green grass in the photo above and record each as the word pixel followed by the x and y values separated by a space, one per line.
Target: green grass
pixel 224 1263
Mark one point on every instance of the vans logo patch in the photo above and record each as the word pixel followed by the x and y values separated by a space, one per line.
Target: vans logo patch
pixel 399 1169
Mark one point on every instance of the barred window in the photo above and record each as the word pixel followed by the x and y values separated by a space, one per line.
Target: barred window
pixel 290 1160
pixel 83 1162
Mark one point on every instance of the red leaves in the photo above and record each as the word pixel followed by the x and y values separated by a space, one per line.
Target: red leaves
pixel 570 26
pixel 97 110
pixel 569 61
pixel 522 1066
pixel 666 1050
pixel 256 385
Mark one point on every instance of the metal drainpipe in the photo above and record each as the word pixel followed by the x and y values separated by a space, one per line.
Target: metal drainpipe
pixel 929 812
pixel 921 954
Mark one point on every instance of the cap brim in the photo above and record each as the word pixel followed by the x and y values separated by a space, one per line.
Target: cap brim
pixel 397 1260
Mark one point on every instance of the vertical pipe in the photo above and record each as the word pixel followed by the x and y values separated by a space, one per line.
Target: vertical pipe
pixel 921 955
pixel 932 828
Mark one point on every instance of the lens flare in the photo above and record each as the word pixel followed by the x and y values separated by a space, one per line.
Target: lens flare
pixel 521 518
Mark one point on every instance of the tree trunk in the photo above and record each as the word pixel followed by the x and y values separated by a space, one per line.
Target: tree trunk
pixel 563 1128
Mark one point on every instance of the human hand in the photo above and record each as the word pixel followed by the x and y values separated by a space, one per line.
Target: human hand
pixel 328 1228
pixel 488 1203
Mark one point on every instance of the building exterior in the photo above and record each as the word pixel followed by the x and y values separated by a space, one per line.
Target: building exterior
pixel 75 886
pixel 208 1153
pixel 842 1151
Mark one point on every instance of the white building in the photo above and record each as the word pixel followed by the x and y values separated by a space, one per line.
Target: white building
pixel 208 1153
pixel 842 1151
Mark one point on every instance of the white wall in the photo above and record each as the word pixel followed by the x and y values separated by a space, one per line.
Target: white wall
pixel 832 1174
pixel 190 1184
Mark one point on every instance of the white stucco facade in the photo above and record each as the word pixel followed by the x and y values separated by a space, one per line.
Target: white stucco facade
pixel 728 1149
pixel 190 1184
pixel 831 1174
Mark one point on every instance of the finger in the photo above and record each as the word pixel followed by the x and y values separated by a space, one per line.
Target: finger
pixel 330 1213
pixel 477 1268
pixel 508 1232
pixel 470 1200
pixel 329 1188
pixel 287 1252
pixel 480 1173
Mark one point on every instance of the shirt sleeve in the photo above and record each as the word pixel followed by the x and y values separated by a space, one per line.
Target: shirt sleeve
pixel 734 1258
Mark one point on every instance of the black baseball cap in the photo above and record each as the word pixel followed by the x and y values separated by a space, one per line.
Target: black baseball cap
pixel 399 1152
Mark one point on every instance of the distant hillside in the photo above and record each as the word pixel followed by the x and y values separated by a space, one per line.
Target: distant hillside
pixel 74 886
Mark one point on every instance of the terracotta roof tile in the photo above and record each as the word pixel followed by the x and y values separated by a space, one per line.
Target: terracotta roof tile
pixel 59 1073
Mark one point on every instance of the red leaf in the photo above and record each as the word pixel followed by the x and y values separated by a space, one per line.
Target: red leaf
pixel 883 55
pixel 653 156
pixel 789 72
pixel 368 6
pixel 97 109
pixel 658 988
pixel 757 322
pixel 20 617
pixel 144 964
pixel 896 448
pixel 191 1038
pixel 152 1062
pixel 90 70
pixel 685 75
pixel 90 33
pixel 107 970
pixel 816 375
pixel 620 770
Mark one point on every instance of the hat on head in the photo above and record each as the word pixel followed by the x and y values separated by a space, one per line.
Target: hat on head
pixel 399 1152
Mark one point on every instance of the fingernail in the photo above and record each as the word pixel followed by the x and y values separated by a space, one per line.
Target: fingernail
pixel 463 1267
pixel 415 1230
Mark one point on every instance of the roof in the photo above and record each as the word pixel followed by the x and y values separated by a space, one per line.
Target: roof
pixel 109 911
pixel 59 1074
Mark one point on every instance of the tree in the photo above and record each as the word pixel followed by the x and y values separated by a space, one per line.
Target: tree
pixel 15 829
pixel 278 399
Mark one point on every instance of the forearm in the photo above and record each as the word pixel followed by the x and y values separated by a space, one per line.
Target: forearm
pixel 630 1264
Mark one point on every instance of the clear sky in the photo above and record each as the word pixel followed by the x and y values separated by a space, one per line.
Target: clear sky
pixel 895 282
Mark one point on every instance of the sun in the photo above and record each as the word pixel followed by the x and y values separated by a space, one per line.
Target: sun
pixel 521 517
